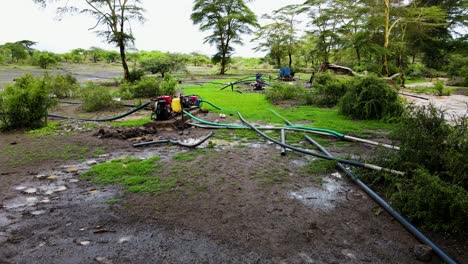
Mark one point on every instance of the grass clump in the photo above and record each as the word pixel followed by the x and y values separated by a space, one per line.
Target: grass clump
pixel 189 156
pixel 25 103
pixel 96 97
pixel 370 98
pixel 148 87
pixel 320 166
pixel 135 174
pixel 49 130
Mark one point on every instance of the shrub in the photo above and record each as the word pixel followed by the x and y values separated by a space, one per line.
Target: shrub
pixel 370 98
pixel 136 75
pixel 168 85
pixel 439 87
pixel 416 70
pixel 284 91
pixel 64 86
pixel 44 59
pixel 25 103
pixel 433 193
pixel 96 98
pixel 328 90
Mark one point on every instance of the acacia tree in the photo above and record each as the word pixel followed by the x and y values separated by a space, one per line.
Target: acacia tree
pixel 228 20
pixel 271 40
pixel 114 15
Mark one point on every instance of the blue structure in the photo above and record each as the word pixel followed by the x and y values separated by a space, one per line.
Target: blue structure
pixel 286 74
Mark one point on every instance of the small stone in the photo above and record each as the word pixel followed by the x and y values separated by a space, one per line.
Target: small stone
pixel 422 252
pixel 348 253
pixel 124 240
pixel 20 188
pixel 74 180
pixel 222 115
pixel 46 200
pixel 72 170
pixel 38 212
pixel 30 191
pixel 41 176
pixel 60 188
pixel 103 155
pixel 104 260
pixel 91 162
pixel 52 177
pixel 84 243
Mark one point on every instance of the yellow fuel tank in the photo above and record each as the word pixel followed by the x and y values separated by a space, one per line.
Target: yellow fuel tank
pixel 176 106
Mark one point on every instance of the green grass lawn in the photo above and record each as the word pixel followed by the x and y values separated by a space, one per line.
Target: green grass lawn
pixel 254 107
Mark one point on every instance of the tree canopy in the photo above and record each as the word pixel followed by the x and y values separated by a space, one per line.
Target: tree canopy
pixel 227 20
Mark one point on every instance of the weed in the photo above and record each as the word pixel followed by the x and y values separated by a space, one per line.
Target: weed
pixel 320 166
pixel 112 201
pixel 50 129
pixel 131 123
pixel 189 156
pixel 135 174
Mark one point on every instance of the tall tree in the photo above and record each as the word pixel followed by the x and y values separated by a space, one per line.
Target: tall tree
pixel 286 23
pixel 115 16
pixel 228 20
pixel 271 39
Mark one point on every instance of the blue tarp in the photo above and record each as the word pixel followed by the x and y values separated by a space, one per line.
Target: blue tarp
pixel 285 72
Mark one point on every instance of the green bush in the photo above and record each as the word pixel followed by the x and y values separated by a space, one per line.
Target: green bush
pixel 370 98
pixel 428 201
pixel 168 85
pixel 25 103
pixel 328 90
pixel 64 86
pixel 96 97
pixel 433 193
pixel 439 87
pixel 426 138
pixel 136 75
pixel 284 91
pixel 416 70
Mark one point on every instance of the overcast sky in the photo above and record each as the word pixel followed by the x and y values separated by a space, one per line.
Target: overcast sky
pixel 168 27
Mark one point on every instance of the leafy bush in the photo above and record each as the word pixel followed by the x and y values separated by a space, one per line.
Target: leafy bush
pixel 96 97
pixel 64 86
pixel 44 59
pixel 164 63
pixel 148 87
pixel 284 91
pixel 136 75
pixel 328 90
pixel 416 70
pixel 433 193
pixel 370 98
pixel 439 87
pixel 168 85
pixel 25 103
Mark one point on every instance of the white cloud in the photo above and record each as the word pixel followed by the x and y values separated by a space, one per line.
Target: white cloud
pixel 168 27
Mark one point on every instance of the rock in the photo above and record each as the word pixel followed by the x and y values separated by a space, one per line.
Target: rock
pixel 91 162
pixel 104 260
pixel 72 170
pixel 348 253
pixel 52 177
pixel 30 191
pixel 422 252
pixel 73 180
pixel 20 188
pixel 84 243
pixel 41 176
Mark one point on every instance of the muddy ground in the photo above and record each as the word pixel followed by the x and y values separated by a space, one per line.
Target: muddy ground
pixel 239 201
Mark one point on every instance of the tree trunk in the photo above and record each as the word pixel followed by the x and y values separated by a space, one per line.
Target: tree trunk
pixel 223 64
pixel 124 60
pixel 358 56
pixel 278 61
pixel 386 36
pixel 290 60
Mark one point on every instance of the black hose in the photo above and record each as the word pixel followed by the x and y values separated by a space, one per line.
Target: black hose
pixel 412 229
pixel 103 119
pixel 194 145
pixel 79 103
pixel 307 152
pixel 412 95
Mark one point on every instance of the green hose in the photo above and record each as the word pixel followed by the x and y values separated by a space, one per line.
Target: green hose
pixel 217 107
pixel 212 123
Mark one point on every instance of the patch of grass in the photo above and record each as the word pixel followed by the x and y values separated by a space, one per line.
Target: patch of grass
pixel 50 130
pixel 131 123
pixel 135 174
pixel 40 151
pixel 98 151
pixel 320 166
pixel 272 177
pixel 189 156
pixel 112 201
pixel 254 107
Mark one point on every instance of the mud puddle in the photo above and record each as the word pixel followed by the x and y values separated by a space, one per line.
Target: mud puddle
pixel 331 192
